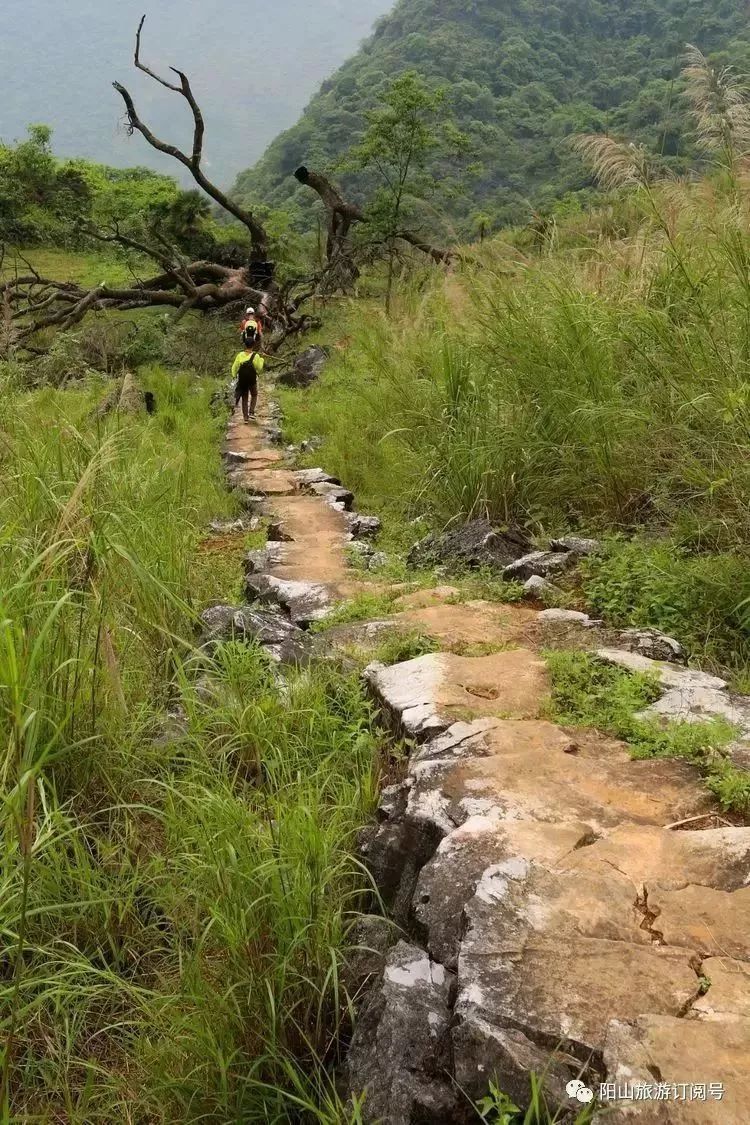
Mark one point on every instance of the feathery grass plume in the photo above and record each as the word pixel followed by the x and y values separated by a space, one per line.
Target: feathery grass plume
pixel 720 106
pixel 615 164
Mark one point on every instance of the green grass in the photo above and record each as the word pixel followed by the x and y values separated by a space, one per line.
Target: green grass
pixel 68 265
pixel 586 692
pixel 393 648
pixel 691 595
pixel 365 606
pixel 174 897
pixel 601 387
pixel 498 1109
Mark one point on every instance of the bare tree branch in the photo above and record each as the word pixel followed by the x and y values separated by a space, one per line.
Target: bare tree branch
pixel 192 162
pixel 342 215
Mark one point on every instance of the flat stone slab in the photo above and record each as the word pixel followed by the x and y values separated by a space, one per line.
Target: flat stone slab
pixel 697 1052
pixel 689 695
pixel 428 694
pixel 524 770
pixel 316 536
pixel 669 860
pixel 421 599
pixel 264 482
pixel 469 624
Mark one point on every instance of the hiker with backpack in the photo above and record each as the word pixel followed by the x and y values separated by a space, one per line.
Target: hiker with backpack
pixel 247 366
pixel 251 327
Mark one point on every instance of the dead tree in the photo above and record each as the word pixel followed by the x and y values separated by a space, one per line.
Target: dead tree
pixel 30 303
pixel 192 162
pixel 342 215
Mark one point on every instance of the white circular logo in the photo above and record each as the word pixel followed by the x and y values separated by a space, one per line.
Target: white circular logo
pixel 576 1089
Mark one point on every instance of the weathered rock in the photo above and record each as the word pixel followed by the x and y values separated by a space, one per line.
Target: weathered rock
pixel 377 560
pixel 576 544
pixel 727 995
pixel 567 617
pixel 305 602
pixel 367 947
pixel 537 868
pixel 334 494
pixel 533 770
pixel 262 559
pixel 538 587
pixel 306 368
pixel 363 635
pixel 236 456
pixel 174 726
pixel 277 532
pixel 311 444
pixel 475 544
pixel 363 527
pixel 450 878
pixel 689 695
pixel 427 695
pixel 653 644
pixel 360 549
pixel 481 1049
pixel 400 1052
pixel 539 564
pixel 678 1051
pixel 284 641
pixel 308 477
pixel 556 953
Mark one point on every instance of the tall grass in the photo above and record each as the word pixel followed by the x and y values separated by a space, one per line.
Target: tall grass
pixel 174 892
pixel 604 386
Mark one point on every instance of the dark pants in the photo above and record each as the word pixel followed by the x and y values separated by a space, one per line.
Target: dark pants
pixel 247 387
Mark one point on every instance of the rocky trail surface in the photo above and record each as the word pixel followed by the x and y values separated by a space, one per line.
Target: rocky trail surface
pixel 559 907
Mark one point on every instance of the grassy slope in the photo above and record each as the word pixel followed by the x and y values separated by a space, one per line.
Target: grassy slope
pixel 67 265
pixel 594 380
pixel 173 901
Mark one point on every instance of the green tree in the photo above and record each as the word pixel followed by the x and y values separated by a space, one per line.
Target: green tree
pixel 401 137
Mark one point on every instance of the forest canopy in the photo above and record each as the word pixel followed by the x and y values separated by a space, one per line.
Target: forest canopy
pixel 522 76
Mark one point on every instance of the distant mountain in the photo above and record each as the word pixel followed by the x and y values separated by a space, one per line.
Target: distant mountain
pixel 522 76
pixel 253 65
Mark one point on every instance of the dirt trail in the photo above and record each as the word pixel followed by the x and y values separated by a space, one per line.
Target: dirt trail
pixel 554 919
pixel 316 534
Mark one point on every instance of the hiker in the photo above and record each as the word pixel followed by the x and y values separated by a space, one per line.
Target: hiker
pixel 246 368
pixel 251 326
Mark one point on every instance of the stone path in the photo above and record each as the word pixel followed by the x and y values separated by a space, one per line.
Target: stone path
pixel 563 909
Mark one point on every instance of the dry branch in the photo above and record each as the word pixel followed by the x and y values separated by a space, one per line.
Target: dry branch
pixel 342 214
pixel 192 162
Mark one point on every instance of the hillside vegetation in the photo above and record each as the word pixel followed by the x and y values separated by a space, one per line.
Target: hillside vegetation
pixel 180 882
pixel 593 378
pixel 521 78
pixel 176 864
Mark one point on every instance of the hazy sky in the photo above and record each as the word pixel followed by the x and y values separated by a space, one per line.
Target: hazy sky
pixel 253 66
